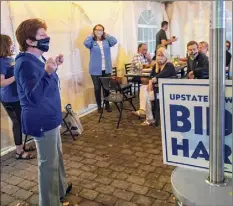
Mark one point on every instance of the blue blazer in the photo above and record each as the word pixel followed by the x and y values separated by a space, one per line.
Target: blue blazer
pixel 95 64
pixel 39 95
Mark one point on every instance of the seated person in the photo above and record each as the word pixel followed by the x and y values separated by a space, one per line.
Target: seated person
pixel 161 69
pixel 141 60
pixel 228 54
pixel 197 63
pixel 204 48
pixel 159 46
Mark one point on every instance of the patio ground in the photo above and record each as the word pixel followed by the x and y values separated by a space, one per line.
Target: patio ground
pixel 107 166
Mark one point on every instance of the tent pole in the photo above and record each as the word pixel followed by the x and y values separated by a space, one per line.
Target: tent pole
pixel 217 92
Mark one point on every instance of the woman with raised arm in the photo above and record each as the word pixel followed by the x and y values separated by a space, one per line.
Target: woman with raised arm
pixel 99 44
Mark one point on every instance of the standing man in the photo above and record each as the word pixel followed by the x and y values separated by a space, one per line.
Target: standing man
pixel 37 84
pixel 161 36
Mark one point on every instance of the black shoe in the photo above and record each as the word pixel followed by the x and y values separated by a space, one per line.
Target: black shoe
pixel 69 188
pixel 108 108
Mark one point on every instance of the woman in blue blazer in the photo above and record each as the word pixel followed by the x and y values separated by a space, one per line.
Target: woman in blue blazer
pixel 100 64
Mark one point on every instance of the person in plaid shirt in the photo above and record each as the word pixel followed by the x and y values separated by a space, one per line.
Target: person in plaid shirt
pixel 141 60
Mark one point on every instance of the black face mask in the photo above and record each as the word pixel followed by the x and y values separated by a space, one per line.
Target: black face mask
pixel 43 44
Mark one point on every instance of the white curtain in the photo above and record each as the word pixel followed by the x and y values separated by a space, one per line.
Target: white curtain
pixel 70 22
pixel 190 20
pixel 6 21
pixel 67 23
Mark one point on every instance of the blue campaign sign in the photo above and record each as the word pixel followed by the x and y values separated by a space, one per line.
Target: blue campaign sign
pixel 184 111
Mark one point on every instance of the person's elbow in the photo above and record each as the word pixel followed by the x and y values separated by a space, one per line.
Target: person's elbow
pixel 35 89
pixel 37 93
pixel 112 41
pixel 31 97
pixel 87 44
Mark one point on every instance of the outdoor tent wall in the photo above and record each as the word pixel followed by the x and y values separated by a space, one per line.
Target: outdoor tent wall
pixel 70 22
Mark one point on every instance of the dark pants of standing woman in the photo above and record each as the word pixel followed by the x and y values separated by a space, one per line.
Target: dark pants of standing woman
pixel 97 88
pixel 13 110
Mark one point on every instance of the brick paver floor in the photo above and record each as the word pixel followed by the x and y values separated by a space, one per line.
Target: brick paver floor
pixel 107 166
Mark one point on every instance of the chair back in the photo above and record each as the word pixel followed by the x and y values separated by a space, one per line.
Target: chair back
pixel 128 68
pixel 104 81
pixel 114 72
pixel 109 84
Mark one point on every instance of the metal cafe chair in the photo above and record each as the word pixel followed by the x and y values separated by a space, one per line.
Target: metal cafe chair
pixel 116 96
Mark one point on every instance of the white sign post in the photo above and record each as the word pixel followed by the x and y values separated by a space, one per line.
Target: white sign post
pixel 184 111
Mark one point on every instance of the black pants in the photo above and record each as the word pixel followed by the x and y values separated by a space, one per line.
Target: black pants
pixel 137 80
pixel 97 88
pixel 13 109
